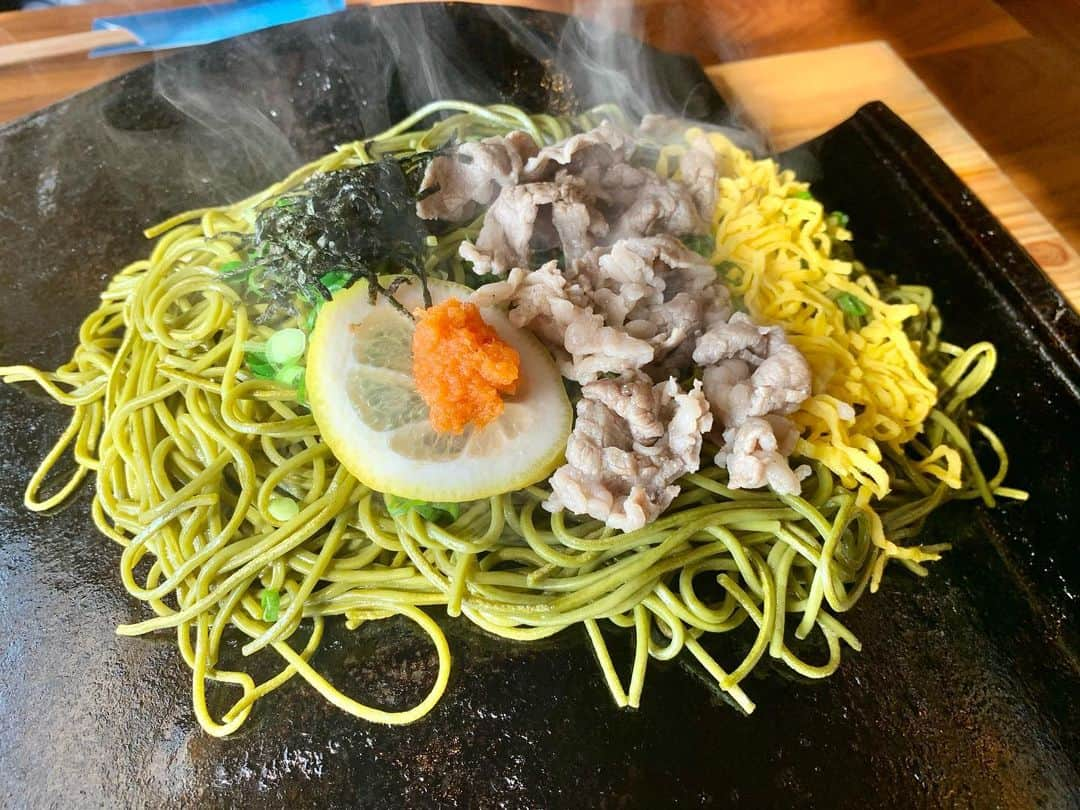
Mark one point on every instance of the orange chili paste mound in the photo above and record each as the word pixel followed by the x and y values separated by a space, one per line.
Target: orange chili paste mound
pixel 461 366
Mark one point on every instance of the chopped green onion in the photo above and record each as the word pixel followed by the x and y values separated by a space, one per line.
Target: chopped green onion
pixel 431 240
pixel 260 366
pixel 282 508
pixel 399 507
pixel 334 280
pixel 700 243
pixel 289 375
pixel 852 305
pixel 285 346
pixel 840 218
pixel 729 270
pixel 803 195
pixel 229 267
pixel 480 279
pixel 271 603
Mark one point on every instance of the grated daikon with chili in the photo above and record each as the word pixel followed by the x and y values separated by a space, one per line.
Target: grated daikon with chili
pixel 461 366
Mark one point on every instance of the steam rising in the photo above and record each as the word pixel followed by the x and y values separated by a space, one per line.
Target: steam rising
pixel 230 118
pixel 609 66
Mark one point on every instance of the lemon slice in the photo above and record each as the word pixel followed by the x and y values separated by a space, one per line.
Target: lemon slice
pixel 360 387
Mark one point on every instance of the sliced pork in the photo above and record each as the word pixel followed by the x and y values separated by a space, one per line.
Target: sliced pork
pixel 650 204
pixel 753 378
pixel 631 441
pixel 535 217
pixel 640 305
pixel 571 196
pixel 560 312
pixel 697 170
pixel 756 455
pixel 583 154
pixel 457 184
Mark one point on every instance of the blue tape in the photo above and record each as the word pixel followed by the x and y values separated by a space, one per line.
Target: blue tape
pixel 197 25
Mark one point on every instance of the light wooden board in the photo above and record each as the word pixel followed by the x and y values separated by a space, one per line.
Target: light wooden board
pixel 797 96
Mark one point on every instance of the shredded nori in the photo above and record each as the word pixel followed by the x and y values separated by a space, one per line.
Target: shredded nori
pixel 358 222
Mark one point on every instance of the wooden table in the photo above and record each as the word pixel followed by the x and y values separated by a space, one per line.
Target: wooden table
pixel 1005 70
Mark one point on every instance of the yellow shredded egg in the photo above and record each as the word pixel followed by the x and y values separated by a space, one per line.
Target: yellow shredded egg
pixel 773 242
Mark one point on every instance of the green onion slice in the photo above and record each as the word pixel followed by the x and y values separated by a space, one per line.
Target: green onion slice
pixel 852 305
pixel 334 280
pixel 285 346
pixel 289 375
pixel 270 600
pixel 282 508
pixel 259 366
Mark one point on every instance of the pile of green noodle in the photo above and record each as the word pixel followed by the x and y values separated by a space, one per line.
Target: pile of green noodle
pixel 187 448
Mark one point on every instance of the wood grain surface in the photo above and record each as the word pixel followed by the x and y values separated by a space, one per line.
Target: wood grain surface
pixel 842 78
pixel 991 84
